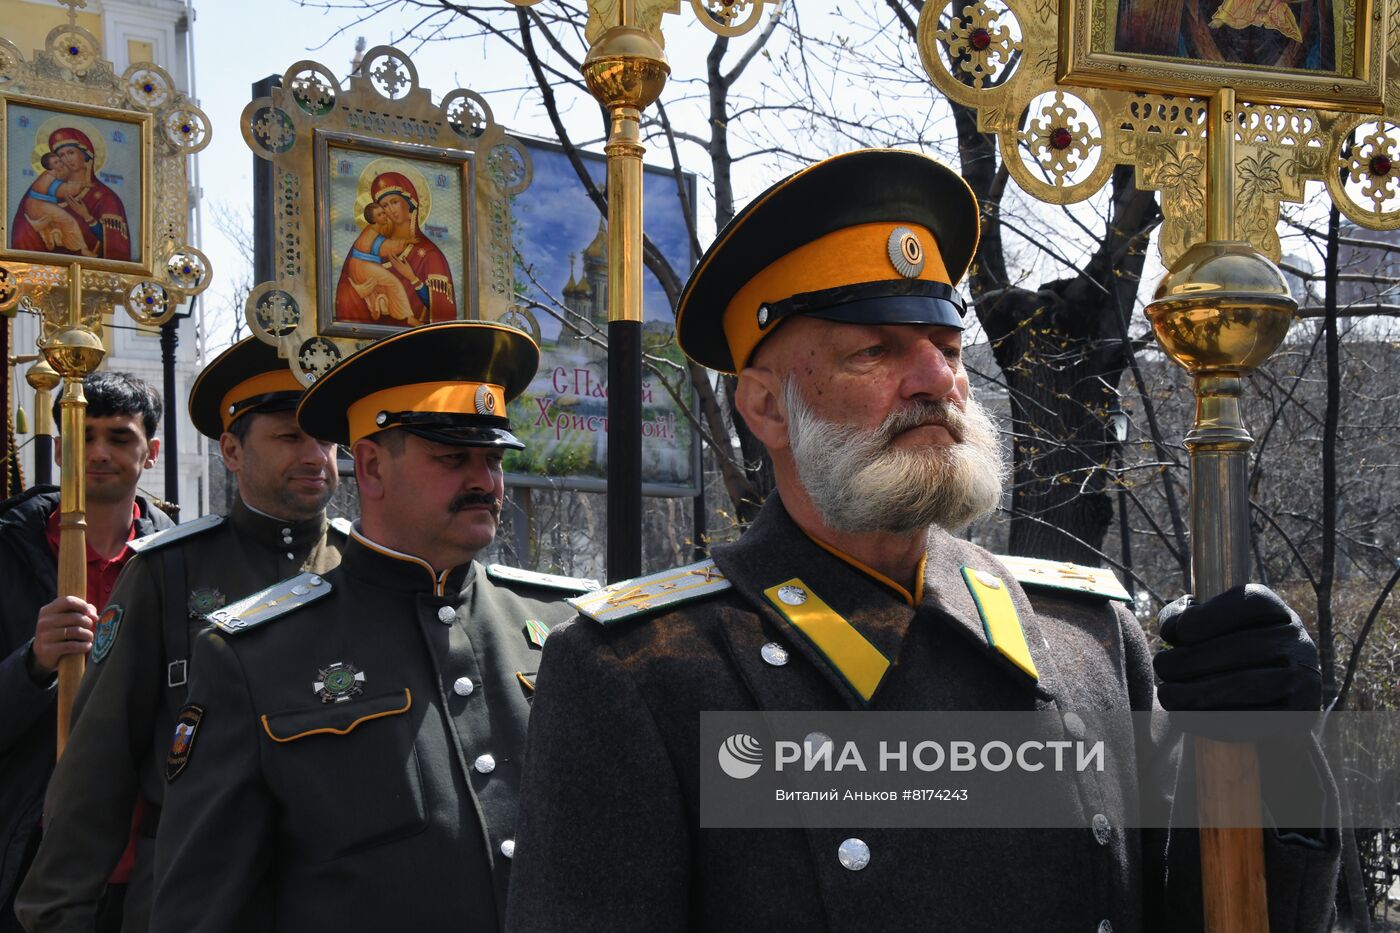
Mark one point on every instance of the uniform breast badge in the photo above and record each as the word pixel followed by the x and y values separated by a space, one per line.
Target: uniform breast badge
pixel 182 743
pixel 105 634
pixel 204 601
pixel 338 682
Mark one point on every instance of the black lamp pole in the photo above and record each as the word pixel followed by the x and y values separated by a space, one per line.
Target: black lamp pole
pixel 1118 421
pixel 170 448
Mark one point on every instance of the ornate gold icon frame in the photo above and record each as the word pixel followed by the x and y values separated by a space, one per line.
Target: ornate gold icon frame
pixel 383 110
pixel 70 76
pixel 1089 37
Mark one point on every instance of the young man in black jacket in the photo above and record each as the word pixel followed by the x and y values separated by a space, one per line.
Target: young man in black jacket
pixel 37 628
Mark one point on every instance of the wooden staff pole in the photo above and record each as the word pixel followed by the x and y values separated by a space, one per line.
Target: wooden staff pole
pixel 74 351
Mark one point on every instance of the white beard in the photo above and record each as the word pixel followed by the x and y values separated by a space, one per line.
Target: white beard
pixel 860 484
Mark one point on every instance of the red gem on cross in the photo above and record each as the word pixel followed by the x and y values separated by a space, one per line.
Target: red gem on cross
pixel 980 39
pixel 1060 138
pixel 1380 164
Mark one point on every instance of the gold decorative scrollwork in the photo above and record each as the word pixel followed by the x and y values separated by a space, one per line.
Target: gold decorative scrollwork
pixel 1058 154
pixel 1061 141
pixel 73 48
pixel 728 17
pixel 272 313
pixel 1366 180
pixel 9 290
pixel 148 303
pixel 981 43
pixel 391 73
pixel 187 269
pixel 467 113
pixel 148 86
pixel 187 129
pixel 314 358
pixel 312 86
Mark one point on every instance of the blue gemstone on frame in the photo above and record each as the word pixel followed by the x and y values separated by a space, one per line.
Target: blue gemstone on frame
pixel 72 50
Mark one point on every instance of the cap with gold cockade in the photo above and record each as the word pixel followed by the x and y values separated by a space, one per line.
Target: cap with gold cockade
pixel 447 382
pixel 248 377
pixel 875 236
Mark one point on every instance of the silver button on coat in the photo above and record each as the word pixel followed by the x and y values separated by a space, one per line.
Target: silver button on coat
pixel 1103 830
pixel 447 615
pixel 1074 725
pixel 853 854
pixel 508 848
pixel 485 764
pixel 774 653
pixel 463 686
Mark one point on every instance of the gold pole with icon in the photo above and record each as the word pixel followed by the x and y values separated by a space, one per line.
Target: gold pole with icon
pixel 133 252
pixel 1223 309
pixel 1074 89
pixel 73 351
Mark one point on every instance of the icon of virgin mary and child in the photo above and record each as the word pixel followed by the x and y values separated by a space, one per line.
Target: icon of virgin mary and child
pixel 394 275
pixel 68 209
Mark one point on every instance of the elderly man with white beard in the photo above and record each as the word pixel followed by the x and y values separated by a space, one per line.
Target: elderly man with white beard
pixel 832 296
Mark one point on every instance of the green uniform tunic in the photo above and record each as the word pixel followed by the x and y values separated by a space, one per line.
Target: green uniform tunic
pixel 125 709
pixel 360 754
pixel 617 846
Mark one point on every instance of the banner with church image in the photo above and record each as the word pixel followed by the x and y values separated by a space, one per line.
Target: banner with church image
pixel 562 275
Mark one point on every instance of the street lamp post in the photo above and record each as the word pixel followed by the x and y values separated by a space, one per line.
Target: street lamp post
pixel 1118 423
pixel 43 380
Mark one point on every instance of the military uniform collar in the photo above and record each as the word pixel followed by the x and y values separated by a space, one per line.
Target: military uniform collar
pixel 382 565
pixel 277 533
pixel 775 550
pixel 946 592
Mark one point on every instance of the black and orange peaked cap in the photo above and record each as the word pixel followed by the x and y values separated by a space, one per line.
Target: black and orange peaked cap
pixel 247 378
pixel 447 382
pixel 875 236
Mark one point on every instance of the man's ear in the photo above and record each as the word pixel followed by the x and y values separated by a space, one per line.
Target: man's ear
pixel 370 462
pixel 153 452
pixel 231 449
pixel 759 398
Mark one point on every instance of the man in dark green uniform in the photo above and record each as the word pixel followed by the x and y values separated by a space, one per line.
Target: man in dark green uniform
pixel 109 785
pixel 354 741
pixel 832 297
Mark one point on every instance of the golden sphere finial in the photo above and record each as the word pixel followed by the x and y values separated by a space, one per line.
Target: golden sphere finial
pixel 1224 307
pixel 626 67
pixel 74 351
pixel 41 376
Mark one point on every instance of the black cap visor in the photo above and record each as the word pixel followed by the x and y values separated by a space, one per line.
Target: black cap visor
pixel 265 404
pixel 456 430
pixel 896 302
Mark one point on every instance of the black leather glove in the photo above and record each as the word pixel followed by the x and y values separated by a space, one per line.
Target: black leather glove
pixel 1241 650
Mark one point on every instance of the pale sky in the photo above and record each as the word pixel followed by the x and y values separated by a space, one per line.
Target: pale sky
pixel 237 42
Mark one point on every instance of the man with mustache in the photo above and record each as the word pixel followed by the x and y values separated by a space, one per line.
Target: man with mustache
pixel 832 297
pixel 104 802
pixel 353 743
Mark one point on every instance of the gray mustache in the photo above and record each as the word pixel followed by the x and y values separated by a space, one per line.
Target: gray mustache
pixel 921 412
